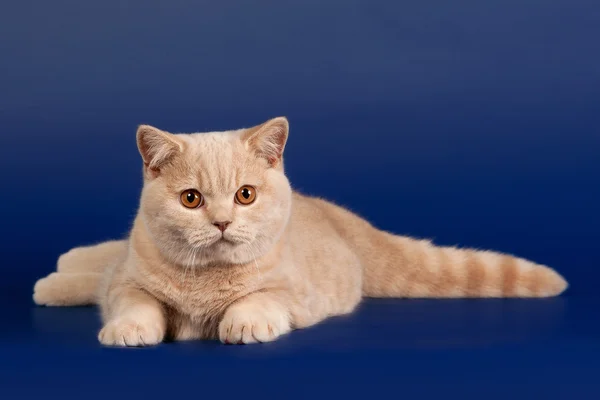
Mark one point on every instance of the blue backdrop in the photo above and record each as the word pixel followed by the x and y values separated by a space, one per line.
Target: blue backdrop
pixel 468 122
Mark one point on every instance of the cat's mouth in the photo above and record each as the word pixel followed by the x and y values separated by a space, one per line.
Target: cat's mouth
pixel 223 239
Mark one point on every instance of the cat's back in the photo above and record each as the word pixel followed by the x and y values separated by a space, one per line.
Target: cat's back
pixel 318 218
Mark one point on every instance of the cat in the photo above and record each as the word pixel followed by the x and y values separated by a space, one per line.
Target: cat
pixel 223 248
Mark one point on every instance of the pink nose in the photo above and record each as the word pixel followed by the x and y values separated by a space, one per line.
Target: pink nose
pixel 222 225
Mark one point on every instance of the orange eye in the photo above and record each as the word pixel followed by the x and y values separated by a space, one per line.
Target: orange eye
pixel 245 195
pixel 191 198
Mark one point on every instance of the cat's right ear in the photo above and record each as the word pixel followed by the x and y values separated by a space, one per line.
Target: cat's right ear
pixel 157 148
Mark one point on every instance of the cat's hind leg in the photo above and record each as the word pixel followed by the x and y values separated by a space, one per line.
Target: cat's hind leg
pixel 79 274
pixel 94 258
pixel 67 289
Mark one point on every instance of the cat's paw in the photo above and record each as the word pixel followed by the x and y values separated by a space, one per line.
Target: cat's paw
pixel 67 289
pixel 131 333
pixel 252 323
pixel 49 291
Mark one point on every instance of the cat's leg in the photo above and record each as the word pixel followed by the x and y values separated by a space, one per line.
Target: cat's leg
pixel 259 317
pixel 79 273
pixel 67 289
pixel 94 258
pixel 133 318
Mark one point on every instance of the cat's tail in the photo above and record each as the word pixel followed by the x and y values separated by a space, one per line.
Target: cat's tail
pixel 79 275
pixel 396 266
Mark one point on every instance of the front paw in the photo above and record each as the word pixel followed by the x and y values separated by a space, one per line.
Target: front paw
pixel 129 332
pixel 253 323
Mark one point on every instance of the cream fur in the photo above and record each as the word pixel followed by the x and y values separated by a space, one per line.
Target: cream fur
pixel 286 261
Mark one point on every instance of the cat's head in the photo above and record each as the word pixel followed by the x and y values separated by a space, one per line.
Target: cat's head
pixel 217 197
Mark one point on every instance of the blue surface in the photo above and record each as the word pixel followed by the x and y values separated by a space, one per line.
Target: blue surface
pixel 469 122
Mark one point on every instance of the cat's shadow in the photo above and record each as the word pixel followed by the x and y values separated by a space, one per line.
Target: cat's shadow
pixel 377 324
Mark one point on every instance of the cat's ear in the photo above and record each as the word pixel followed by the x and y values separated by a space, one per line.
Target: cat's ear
pixel 268 140
pixel 157 147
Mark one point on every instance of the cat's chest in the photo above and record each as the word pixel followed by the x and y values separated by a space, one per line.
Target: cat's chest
pixel 200 294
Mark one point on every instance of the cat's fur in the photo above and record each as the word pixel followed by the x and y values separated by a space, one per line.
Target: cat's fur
pixel 288 261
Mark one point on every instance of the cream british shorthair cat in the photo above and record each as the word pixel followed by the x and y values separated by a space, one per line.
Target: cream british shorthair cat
pixel 222 247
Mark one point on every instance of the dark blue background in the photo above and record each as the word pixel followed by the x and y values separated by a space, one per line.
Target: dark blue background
pixel 469 122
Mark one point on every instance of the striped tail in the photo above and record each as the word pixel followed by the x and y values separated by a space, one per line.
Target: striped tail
pixel 398 266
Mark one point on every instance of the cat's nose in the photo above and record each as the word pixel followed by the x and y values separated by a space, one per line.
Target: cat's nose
pixel 222 225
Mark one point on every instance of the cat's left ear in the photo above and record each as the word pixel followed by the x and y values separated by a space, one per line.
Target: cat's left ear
pixel 268 140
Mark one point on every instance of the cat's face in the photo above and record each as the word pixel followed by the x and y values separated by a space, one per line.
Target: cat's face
pixel 218 197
